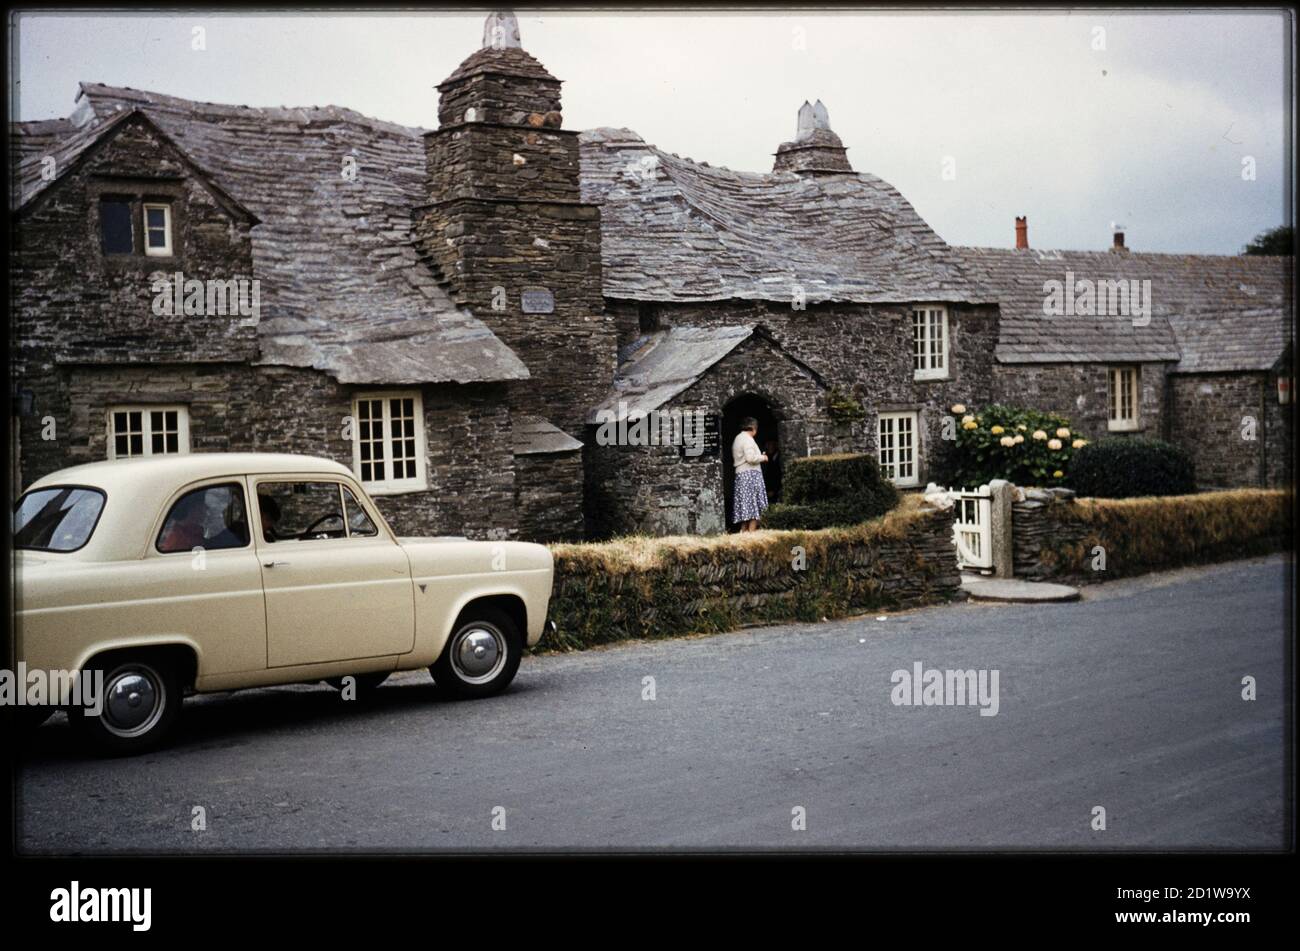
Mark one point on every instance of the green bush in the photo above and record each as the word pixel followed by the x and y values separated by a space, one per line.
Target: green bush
pixel 826 491
pixel 1024 446
pixel 1124 468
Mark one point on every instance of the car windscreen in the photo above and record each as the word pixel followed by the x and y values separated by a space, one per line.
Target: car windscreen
pixel 59 518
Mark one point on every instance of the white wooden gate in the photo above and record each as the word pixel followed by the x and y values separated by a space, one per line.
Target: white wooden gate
pixel 973 510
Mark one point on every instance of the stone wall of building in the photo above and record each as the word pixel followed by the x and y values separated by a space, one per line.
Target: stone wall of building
pixel 866 349
pixel 237 408
pixel 548 496
pixel 659 490
pixel 1233 426
pixel 1078 391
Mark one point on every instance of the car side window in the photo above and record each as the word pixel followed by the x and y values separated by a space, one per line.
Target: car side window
pixel 301 511
pixel 359 523
pixel 212 518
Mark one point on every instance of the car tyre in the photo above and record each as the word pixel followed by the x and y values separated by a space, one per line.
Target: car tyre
pixel 481 657
pixel 139 710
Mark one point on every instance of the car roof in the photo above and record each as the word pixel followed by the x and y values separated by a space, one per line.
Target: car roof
pixel 179 469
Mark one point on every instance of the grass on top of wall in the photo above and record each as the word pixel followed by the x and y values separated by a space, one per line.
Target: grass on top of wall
pixel 648 587
pixel 633 553
pixel 1142 534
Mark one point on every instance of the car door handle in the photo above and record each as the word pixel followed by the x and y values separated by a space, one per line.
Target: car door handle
pixel 272 564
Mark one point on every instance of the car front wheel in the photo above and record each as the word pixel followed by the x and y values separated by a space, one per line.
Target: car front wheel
pixel 140 705
pixel 481 657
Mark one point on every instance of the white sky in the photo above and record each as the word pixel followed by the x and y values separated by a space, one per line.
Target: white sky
pixel 1151 131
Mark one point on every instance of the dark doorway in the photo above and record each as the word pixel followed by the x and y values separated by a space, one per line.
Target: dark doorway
pixel 769 435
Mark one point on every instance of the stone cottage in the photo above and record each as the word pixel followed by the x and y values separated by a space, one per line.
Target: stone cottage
pixel 463 315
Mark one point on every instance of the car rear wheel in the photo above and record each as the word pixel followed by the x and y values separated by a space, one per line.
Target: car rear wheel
pixel 481 656
pixel 139 708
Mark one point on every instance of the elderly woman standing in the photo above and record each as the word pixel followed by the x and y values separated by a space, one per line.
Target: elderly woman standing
pixel 749 498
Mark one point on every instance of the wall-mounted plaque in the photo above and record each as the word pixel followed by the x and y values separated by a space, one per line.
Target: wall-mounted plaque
pixel 537 300
pixel 706 445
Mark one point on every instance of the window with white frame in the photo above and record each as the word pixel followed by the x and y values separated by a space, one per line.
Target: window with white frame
pixel 896 442
pixel 1122 398
pixel 388 441
pixel 148 431
pixel 157 229
pixel 929 342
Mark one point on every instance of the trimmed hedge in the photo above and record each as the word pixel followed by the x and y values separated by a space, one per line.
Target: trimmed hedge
pixel 1125 468
pixel 832 490
pixel 1154 533
pixel 640 587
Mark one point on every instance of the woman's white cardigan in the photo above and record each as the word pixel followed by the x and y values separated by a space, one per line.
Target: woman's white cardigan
pixel 745 453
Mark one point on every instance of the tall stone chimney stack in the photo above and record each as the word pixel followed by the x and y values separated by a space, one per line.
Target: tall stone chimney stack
pixel 816 150
pixel 1022 233
pixel 506 227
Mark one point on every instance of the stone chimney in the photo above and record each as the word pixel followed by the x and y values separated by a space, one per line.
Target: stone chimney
pixel 816 150
pixel 1022 233
pixel 1117 243
pixel 507 230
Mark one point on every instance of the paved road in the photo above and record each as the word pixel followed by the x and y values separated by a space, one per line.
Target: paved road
pixel 1129 699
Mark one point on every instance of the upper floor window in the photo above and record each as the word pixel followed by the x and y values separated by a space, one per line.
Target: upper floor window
pixel 157 229
pixel 930 342
pixel 896 445
pixel 147 431
pixel 115 227
pixel 388 441
pixel 1122 398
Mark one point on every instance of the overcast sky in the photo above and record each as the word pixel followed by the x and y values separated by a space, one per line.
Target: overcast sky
pixel 1146 123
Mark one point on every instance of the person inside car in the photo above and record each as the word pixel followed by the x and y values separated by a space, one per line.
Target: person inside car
pixel 184 528
pixel 270 510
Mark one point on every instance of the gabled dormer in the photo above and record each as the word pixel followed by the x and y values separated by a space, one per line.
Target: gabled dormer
pixel 110 213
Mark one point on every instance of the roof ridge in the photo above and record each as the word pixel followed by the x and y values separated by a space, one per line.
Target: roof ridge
pixel 285 113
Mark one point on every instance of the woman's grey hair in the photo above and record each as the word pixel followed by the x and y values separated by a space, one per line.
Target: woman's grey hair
pixel 748 423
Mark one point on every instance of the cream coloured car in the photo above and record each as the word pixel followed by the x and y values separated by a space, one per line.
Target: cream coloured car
pixel 160 575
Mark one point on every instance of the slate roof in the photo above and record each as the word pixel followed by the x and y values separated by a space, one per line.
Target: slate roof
pixel 661 365
pixel 345 291
pixel 674 230
pixel 343 288
pixel 1209 313
pixel 535 436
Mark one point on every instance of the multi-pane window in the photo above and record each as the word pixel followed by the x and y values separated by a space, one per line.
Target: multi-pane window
pixel 388 441
pixel 929 342
pixel 1122 398
pixel 157 229
pixel 896 442
pixel 115 227
pixel 147 431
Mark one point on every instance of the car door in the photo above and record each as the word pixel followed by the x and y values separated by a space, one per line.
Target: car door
pixel 199 578
pixel 338 586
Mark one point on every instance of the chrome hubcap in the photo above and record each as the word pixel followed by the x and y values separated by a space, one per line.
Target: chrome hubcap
pixel 134 702
pixel 478 654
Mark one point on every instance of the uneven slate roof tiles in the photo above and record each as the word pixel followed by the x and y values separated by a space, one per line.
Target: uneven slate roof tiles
pixel 673 230
pixel 1209 313
pixel 343 288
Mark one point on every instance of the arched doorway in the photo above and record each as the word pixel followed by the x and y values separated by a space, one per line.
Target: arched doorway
pixel 769 439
